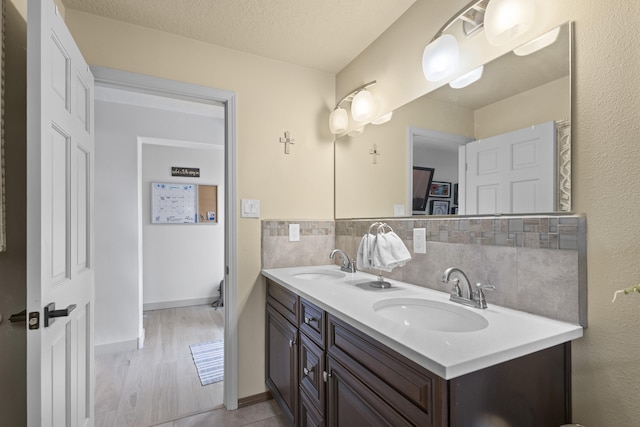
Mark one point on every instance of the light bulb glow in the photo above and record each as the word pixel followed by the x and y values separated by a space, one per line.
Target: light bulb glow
pixel 468 78
pixel 362 106
pixel 338 120
pixel 440 58
pixel 504 20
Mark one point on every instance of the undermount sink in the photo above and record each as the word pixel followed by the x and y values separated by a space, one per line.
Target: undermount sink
pixel 430 315
pixel 320 275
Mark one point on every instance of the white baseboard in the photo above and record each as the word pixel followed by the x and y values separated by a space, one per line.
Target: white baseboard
pixel 181 303
pixel 141 339
pixel 116 347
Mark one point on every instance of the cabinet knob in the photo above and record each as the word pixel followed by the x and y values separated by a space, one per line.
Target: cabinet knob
pixel 307 371
pixel 325 376
pixel 292 342
pixel 308 320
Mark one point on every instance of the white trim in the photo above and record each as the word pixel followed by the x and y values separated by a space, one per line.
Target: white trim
pixel 179 143
pixel 179 303
pixel 412 132
pixel 117 347
pixel 207 95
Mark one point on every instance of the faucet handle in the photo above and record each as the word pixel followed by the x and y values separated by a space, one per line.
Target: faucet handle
pixel 481 286
pixel 455 290
pixel 481 302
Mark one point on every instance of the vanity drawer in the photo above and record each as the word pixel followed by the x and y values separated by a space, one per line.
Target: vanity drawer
pixel 352 347
pixel 312 322
pixel 283 301
pixel 311 366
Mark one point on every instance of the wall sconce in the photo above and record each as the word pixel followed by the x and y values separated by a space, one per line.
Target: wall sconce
pixel 363 109
pixel 502 20
pixel 505 20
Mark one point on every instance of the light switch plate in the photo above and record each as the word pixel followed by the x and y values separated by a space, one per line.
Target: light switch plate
pixel 294 232
pixel 420 240
pixel 250 208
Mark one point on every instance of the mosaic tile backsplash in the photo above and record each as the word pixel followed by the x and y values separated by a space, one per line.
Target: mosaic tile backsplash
pixel 538 264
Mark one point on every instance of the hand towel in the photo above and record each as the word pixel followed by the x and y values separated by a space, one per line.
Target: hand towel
pixel 365 250
pixel 389 252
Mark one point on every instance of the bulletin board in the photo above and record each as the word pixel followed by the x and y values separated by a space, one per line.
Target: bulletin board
pixel 178 203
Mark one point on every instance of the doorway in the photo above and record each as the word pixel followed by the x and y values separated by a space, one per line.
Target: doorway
pixel 179 91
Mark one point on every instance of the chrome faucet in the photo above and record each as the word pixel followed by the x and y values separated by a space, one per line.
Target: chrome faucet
pixel 466 295
pixel 348 265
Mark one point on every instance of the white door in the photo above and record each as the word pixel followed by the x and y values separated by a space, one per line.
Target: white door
pixel 59 224
pixel 512 173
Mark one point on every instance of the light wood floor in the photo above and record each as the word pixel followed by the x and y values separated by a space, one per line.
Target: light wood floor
pixel 159 383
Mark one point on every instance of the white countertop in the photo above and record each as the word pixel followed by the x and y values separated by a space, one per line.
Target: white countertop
pixel 510 333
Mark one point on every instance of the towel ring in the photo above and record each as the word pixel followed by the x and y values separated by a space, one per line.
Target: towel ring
pixel 375 224
pixel 382 227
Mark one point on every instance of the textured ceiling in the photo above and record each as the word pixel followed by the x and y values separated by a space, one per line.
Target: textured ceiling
pixel 320 34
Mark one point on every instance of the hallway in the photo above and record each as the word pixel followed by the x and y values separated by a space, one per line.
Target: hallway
pixel 159 383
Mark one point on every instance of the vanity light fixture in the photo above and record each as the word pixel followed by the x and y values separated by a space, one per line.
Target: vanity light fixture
pixel 441 56
pixel 362 106
pixel 363 109
pixel 338 120
pixel 502 20
pixel 466 79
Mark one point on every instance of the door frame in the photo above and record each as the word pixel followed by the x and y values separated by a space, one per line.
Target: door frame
pixel 171 88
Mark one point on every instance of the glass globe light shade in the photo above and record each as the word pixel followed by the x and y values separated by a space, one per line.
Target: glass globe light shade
pixel 468 78
pixel 362 106
pixel 504 20
pixel 338 121
pixel 440 58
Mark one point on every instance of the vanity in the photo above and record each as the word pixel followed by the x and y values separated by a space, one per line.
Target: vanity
pixel 340 353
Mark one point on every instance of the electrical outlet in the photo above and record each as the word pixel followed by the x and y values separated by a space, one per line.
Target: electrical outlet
pixel 294 232
pixel 420 240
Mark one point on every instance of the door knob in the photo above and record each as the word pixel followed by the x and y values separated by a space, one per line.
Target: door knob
pixel 50 312
pixel 18 317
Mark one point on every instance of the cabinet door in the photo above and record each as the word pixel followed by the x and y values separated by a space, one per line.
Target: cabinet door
pixel 309 415
pixel 351 403
pixel 282 362
pixel 310 373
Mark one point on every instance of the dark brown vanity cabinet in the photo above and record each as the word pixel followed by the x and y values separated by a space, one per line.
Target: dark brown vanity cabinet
pixel 282 349
pixel 324 372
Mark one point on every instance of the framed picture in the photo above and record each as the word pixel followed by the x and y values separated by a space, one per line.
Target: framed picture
pixel 421 186
pixel 455 193
pixel 439 207
pixel 440 189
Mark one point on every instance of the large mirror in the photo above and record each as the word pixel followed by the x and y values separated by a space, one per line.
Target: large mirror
pixel 517 93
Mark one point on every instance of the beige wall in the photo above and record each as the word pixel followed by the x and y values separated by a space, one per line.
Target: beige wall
pixel 542 104
pixel 606 110
pixel 13 268
pixel 272 97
